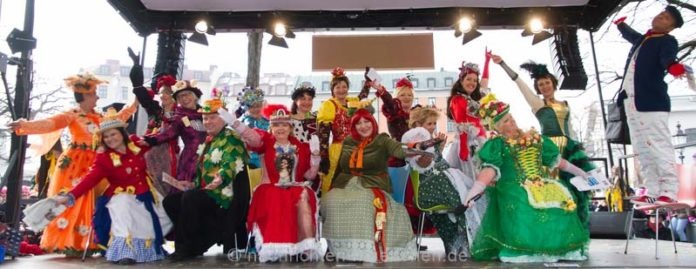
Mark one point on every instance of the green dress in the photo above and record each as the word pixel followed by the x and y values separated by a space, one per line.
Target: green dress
pixel 530 218
pixel 554 121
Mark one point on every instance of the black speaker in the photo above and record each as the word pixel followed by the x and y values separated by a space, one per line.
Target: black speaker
pixel 170 53
pixel 567 61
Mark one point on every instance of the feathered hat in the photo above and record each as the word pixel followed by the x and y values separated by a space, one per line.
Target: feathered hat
pixel 468 68
pixel 536 70
pixel 83 83
pixel 276 113
pixel 250 96
pixel 186 85
pixel 492 111
pixel 213 104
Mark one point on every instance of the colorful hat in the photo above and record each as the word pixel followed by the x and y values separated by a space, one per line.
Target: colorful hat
pixel 213 104
pixel 186 85
pixel 111 120
pixel 83 83
pixel 250 96
pixel 402 84
pixel 164 84
pixel 492 111
pixel 468 68
pixel 276 113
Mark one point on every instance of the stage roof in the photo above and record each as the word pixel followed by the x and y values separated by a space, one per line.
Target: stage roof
pixel 150 16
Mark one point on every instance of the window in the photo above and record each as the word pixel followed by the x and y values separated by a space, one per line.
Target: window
pixel 280 89
pixel 394 81
pixel 125 71
pixel 124 93
pixel 325 86
pixel 415 83
pixel 102 91
pixel 431 101
pixel 449 81
pixel 198 75
pixel 431 83
pixel 104 70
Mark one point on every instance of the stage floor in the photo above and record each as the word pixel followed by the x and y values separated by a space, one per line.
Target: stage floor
pixel 603 253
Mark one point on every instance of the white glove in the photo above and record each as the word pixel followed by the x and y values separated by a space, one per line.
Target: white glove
pixel 468 128
pixel 226 116
pixel 314 145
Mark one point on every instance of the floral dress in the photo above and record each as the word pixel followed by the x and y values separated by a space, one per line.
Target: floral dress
pixel 69 231
pixel 530 217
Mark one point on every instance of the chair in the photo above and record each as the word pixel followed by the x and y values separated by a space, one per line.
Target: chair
pixel 438 209
pixel 686 199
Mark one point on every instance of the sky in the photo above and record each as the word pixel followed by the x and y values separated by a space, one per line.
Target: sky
pixel 75 34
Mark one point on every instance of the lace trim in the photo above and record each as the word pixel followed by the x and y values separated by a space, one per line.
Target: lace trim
pixel 364 250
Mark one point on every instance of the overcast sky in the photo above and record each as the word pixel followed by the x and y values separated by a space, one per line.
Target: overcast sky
pixel 74 34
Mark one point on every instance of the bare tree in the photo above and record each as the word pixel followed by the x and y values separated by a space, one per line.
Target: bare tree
pixel 42 103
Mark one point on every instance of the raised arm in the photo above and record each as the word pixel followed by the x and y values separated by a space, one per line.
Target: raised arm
pixel 628 33
pixel 532 99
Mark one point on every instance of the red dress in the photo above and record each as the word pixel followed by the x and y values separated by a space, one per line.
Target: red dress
pixel 463 110
pixel 283 218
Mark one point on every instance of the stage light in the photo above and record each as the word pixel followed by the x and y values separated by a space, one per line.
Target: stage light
pixel 536 26
pixel 279 31
pixel 465 26
pixel 201 26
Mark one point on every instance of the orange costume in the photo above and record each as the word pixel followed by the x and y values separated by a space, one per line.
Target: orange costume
pixel 69 231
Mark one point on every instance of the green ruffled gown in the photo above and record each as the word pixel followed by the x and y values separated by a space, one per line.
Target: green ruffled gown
pixel 526 222
pixel 553 119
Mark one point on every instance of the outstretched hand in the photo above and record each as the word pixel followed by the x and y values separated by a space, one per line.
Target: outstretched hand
pixel 489 53
pixel 496 58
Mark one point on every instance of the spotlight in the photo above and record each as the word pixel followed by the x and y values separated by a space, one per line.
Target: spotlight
pixel 199 35
pixel 201 26
pixel 535 27
pixel 465 26
pixel 279 31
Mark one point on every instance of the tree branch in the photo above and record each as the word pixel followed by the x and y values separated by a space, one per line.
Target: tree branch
pixel 682 4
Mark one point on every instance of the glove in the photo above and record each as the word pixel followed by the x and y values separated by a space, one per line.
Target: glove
pixel 314 145
pixel 469 129
pixel 227 116
pixel 136 72
pixel 620 20
pixel 487 60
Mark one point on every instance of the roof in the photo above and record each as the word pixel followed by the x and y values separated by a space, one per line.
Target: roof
pixel 150 16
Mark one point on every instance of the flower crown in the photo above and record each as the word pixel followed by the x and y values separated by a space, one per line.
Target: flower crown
pixel 492 111
pixel 338 72
pixel 83 83
pixel 165 81
pixel 250 96
pixel 468 68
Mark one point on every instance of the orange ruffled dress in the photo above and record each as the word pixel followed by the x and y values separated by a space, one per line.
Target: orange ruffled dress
pixel 69 231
